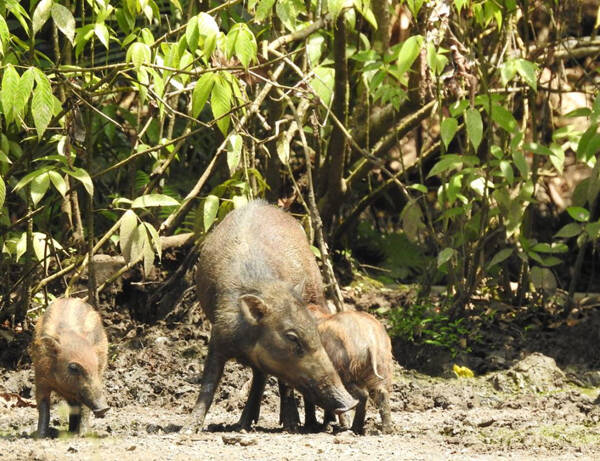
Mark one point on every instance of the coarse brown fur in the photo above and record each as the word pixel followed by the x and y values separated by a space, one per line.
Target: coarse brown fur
pixel 69 353
pixel 361 352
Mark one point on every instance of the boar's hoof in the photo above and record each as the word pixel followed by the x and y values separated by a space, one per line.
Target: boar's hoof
pixel 50 433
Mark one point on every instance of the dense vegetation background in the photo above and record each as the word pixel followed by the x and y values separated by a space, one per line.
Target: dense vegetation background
pixel 449 142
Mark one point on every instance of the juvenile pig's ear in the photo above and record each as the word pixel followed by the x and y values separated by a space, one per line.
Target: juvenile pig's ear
pixel 51 344
pixel 253 308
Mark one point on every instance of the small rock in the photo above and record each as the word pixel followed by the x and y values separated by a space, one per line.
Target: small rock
pixel 238 440
pixel 153 428
pixel 131 448
pixel 72 450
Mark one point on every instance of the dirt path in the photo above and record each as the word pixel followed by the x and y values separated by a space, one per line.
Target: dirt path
pixel 499 416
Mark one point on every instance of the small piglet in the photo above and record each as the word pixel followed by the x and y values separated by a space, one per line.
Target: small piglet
pixel 361 352
pixel 69 352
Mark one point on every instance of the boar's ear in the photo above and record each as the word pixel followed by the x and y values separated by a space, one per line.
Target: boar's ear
pixel 51 344
pixel 253 308
pixel 299 288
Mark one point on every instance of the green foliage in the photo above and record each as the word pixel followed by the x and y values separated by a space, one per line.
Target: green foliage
pixel 427 324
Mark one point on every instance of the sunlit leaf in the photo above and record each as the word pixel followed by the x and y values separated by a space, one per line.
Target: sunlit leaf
pixel 234 152
pixel 10 87
pixel 126 230
pixel 578 213
pixel 445 255
pixel 568 231
pixel 102 33
pixel 201 93
pixel 42 103
pixel 527 70
pixel 41 14
pixel 39 187
pixel 82 176
pixel 2 193
pixel 58 182
pixel 220 103
pixel 153 200
pixel 64 20
pixel 209 211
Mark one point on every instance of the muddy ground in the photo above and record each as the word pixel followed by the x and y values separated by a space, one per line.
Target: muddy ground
pixel 528 407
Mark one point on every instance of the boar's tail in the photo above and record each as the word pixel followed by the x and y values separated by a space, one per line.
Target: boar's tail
pixel 373 361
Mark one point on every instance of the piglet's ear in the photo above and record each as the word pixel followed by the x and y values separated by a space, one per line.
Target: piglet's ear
pixel 253 308
pixel 51 344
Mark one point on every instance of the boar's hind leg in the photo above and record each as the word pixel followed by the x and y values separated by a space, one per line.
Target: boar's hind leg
pixel 288 410
pixel 252 408
pixel 381 398
pixel 359 416
pixel 43 404
pixel 213 370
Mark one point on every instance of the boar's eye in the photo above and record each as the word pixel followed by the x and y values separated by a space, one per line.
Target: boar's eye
pixel 74 368
pixel 293 337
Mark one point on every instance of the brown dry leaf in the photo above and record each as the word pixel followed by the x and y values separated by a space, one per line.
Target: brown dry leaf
pixel 15 400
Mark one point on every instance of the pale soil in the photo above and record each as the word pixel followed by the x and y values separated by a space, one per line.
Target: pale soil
pixel 531 410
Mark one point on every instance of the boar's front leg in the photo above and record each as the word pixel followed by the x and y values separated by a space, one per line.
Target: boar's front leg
pixel 381 397
pixel 252 408
pixel 288 410
pixel 211 375
pixel 310 418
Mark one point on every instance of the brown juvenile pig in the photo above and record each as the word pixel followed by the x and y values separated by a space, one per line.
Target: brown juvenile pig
pixel 361 352
pixel 69 351
pixel 255 275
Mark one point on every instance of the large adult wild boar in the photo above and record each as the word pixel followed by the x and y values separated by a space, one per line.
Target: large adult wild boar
pixel 255 275
pixel 361 351
pixel 69 352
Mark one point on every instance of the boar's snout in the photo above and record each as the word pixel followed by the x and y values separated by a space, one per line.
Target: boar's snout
pixel 98 405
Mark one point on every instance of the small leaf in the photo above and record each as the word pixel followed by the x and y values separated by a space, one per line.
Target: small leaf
pixel 153 200
pixel 64 20
pixel 578 213
pixel 82 176
pixel 220 103
pixel 500 257
pixel 102 33
pixel 39 187
pixel 409 51
pixel 474 127
pixel 239 201
pixel 192 35
pixel 527 70
pixel 128 226
pixel 521 164
pixel 234 152
pixel 201 92
pixel 283 149
pixel 210 209
pixel 322 83
pixel 2 193
pixel 448 130
pixel 445 255
pixel 568 231
pixel 58 182
pixel 23 93
pixel 263 10
pixel 155 238
pixel 138 53
pixel 335 7
pixel 462 372
pixel 543 279
pixel 41 14
pixel 504 118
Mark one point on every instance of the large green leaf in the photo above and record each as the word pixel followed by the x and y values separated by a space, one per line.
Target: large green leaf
pixel 10 88
pixel 41 14
pixel 23 93
pixel 322 83
pixel 263 9
pixel 102 33
pixel 4 35
pixel 201 92
pixel 220 102
pixel 82 176
pixel 58 182
pixel 64 20
pixel 42 103
pixel 39 187
pixel 138 53
pixel 527 70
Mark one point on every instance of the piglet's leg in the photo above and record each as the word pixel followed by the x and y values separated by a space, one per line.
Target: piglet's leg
pixel 288 412
pixel 43 405
pixel 361 409
pixel 75 417
pixel 252 408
